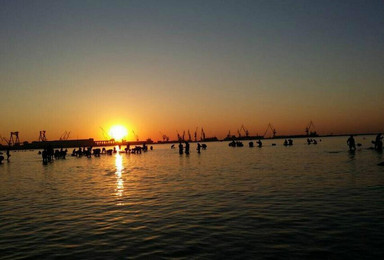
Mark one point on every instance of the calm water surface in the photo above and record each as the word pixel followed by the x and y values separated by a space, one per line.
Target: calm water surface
pixel 317 201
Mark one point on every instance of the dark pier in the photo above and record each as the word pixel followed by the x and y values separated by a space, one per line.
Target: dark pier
pixel 69 144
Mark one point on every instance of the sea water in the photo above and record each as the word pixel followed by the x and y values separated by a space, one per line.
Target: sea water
pixel 303 201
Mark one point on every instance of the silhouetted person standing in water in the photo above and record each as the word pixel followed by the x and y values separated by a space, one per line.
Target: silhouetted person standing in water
pixel 198 147
pixel 180 148
pixel 351 143
pixel 186 147
pixel 378 143
pixel 8 154
pixel 44 154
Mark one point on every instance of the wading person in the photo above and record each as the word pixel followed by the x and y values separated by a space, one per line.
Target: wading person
pixel 180 148
pixel 351 143
pixel 186 147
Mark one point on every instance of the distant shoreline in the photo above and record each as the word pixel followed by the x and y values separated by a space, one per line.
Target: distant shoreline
pixel 91 143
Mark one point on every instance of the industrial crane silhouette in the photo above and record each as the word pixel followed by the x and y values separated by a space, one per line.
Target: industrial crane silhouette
pixel 136 136
pixel 202 136
pixel 179 138
pixel 42 137
pixel 229 134
pixel 65 135
pixel 310 129
pixel 273 130
pixel 4 139
pixel 14 139
pixel 106 136
pixel 244 130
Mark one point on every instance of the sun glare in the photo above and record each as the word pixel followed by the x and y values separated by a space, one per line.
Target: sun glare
pixel 118 132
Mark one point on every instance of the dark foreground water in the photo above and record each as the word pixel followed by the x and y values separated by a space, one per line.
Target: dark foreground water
pixel 244 203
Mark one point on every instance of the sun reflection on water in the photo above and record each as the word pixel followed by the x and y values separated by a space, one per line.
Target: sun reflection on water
pixel 119 176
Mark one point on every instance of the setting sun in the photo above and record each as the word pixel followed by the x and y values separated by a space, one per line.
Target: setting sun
pixel 118 132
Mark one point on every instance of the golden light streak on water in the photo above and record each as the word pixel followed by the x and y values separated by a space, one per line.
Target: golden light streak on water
pixel 119 176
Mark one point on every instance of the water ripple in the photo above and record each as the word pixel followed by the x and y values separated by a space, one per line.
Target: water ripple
pixel 223 203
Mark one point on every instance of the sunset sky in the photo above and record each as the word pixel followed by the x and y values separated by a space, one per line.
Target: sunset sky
pixel 167 66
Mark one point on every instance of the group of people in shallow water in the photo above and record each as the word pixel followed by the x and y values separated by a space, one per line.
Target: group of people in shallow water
pixel 186 148
pixel 288 142
pixel 238 144
pixel 378 143
pixel 259 143
pixel 97 152
pixel 311 141
pixel 48 154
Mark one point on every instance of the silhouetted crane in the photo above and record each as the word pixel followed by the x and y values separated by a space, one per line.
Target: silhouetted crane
pixel 273 130
pixel 65 136
pixel 136 136
pixel 244 130
pixel 42 137
pixel 16 140
pixel 238 132
pixel 311 126
pixel 178 136
pixel 202 136
pixel 4 139
pixel 106 136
